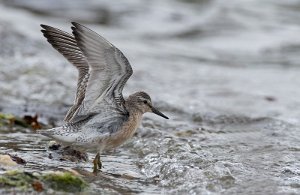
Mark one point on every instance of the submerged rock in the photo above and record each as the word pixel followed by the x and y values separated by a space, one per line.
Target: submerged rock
pixel 66 153
pixel 17 159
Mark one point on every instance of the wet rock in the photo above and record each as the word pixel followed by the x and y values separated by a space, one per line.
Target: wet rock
pixel 17 179
pixel 17 159
pixel 64 181
pixel 58 181
pixel 53 145
pixel 6 160
pixel 66 153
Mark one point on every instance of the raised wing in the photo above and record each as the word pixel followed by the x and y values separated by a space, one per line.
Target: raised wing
pixel 103 70
pixel 66 44
pixel 109 70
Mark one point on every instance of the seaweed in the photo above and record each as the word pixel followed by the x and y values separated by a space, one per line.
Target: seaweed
pixel 58 181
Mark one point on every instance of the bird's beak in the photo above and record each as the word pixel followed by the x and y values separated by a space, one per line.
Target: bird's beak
pixel 155 111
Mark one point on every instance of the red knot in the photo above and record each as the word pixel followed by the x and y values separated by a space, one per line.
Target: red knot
pixel 100 118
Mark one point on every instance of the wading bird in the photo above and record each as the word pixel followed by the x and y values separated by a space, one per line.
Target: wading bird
pixel 100 119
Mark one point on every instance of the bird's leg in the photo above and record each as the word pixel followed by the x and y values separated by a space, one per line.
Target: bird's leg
pixel 96 163
pixel 99 162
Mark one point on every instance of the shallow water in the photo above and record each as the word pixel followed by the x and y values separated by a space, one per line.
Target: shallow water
pixel 226 73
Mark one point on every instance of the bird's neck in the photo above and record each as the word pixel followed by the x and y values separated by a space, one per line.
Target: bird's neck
pixel 133 109
pixel 135 114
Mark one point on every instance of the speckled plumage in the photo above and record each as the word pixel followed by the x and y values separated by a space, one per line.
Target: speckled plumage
pixel 100 118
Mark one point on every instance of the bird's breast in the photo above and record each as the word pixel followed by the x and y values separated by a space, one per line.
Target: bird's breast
pixel 125 132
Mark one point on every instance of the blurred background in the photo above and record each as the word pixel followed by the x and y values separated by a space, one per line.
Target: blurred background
pixel 225 72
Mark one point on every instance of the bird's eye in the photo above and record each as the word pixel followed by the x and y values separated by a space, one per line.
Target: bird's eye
pixel 145 102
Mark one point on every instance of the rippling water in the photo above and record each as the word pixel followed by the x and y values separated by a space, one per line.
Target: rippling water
pixel 226 72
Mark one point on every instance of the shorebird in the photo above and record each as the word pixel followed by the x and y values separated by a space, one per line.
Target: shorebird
pixel 100 118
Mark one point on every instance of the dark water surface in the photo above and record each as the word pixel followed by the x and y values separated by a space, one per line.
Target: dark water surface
pixel 225 72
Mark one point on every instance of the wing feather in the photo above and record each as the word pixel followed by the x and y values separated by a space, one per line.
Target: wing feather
pixel 65 44
pixel 109 69
pixel 103 70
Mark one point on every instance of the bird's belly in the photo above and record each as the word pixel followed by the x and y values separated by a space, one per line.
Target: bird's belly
pixel 118 138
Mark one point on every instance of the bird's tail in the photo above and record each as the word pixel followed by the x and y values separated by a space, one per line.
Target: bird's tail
pixel 59 134
pixel 48 132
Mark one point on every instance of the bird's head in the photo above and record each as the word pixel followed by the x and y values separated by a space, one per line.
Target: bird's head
pixel 143 102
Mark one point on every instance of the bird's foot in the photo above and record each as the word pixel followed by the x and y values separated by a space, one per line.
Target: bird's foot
pixel 95 170
pixel 97 164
